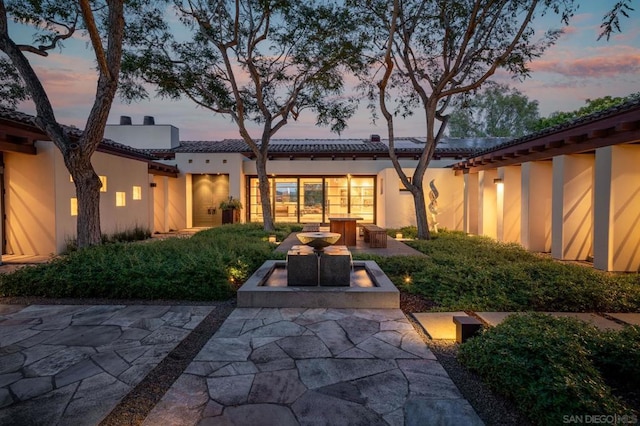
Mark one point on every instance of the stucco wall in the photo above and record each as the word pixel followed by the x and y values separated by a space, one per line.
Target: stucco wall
pixel 396 207
pixel 39 193
pixel 30 201
pixel 160 136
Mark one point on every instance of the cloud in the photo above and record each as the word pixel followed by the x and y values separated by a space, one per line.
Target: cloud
pixel 597 66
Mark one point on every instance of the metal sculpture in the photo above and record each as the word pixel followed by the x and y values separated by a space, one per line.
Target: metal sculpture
pixel 433 205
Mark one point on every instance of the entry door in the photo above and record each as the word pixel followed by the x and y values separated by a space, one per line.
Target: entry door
pixel 208 192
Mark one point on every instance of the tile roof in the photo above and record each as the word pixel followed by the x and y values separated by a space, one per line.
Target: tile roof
pixel 629 105
pixel 74 132
pixel 466 146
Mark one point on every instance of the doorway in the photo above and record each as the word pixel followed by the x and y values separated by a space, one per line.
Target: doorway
pixel 208 191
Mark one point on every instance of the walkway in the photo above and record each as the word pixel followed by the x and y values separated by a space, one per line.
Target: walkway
pixel 72 364
pixel 292 366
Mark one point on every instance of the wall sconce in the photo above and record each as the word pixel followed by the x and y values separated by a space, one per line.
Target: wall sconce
pixel 498 181
pixel 272 238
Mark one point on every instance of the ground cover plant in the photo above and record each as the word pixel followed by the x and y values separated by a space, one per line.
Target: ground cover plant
pixel 557 367
pixel 461 272
pixel 208 266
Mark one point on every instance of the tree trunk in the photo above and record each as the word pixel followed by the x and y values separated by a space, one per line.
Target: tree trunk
pixel 420 205
pixel 87 185
pixel 265 196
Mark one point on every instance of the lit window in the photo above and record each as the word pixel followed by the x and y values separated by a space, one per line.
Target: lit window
pixel 70 178
pixel 74 206
pixel 103 179
pixel 121 199
pixel 137 193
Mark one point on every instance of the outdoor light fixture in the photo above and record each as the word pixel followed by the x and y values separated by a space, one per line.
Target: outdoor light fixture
pixel 398 236
pixel 272 238
pixel 498 181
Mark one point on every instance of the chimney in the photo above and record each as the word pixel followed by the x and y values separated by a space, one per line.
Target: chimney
pixel 374 138
pixel 125 120
pixel 148 120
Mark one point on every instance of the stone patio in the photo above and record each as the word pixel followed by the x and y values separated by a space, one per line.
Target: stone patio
pixel 291 366
pixel 71 364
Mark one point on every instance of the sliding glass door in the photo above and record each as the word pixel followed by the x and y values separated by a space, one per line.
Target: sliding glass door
pixel 315 199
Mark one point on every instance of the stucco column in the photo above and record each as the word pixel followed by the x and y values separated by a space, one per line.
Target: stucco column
pixel 470 213
pixel 508 196
pixel 535 222
pixel 572 202
pixel 487 203
pixel 617 209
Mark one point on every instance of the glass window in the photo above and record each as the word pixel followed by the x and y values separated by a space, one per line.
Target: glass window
pixel 285 205
pixel 314 199
pixel 311 200
pixel 74 206
pixel 121 199
pixel 362 201
pixel 137 193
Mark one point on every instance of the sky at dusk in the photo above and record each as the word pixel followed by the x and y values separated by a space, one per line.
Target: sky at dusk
pixel 577 68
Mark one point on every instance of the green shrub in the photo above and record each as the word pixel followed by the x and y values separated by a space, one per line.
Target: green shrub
pixel 617 356
pixel 545 365
pixel 208 266
pixel 137 233
pixel 461 272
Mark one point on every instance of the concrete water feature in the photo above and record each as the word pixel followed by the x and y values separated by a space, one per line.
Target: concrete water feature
pixel 325 277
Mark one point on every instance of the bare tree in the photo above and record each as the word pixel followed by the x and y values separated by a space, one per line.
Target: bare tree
pixel 255 61
pixel 59 21
pixel 435 50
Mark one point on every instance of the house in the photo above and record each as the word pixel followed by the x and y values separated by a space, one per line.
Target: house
pixel 39 202
pixel 573 190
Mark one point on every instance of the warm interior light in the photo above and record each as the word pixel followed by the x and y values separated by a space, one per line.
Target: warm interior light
pixel 121 199
pixel 137 193
pixel 74 206
pixel 103 179
pixel 398 236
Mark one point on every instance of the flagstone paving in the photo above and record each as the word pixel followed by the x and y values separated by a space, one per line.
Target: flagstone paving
pixel 297 366
pixel 71 364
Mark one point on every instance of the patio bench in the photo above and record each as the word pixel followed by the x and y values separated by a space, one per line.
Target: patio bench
pixel 311 227
pixel 375 236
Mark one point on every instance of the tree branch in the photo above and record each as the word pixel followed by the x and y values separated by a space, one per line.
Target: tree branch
pixel 89 21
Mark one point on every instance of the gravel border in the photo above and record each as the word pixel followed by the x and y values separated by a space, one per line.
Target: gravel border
pixel 492 408
pixel 138 403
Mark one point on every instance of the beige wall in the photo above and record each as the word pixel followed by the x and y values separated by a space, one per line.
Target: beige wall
pixel 536 206
pixel 617 208
pixel 177 202
pixel 396 207
pixel 30 201
pixel 122 175
pixel 487 203
pixel 471 193
pixel 39 193
pixel 572 203
pixel 509 204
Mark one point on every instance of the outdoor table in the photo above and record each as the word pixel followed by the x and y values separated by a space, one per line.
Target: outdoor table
pixel 345 225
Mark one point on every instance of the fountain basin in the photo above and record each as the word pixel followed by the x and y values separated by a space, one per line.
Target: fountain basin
pixel 318 240
pixel 370 288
